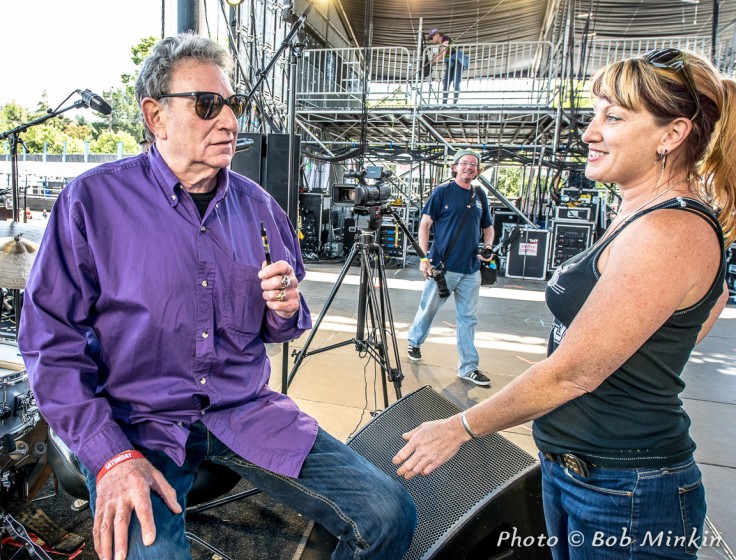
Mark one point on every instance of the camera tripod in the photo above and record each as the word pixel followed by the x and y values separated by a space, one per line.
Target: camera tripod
pixel 375 327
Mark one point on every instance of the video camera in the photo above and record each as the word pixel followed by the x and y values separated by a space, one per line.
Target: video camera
pixel 365 199
pixel 363 195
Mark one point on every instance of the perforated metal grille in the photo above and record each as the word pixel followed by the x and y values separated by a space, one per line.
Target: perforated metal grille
pixel 453 493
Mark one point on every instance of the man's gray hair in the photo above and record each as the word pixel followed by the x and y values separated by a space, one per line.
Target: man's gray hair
pixel 158 67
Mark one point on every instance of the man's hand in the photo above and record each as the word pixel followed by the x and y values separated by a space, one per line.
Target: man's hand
pixel 426 268
pixel 429 446
pixel 280 288
pixel 124 489
pixel 489 259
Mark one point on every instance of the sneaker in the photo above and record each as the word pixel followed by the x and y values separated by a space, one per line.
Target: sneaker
pixel 476 376
pixel 414 353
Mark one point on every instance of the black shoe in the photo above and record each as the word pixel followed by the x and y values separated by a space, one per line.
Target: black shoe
pixel 414 353
pixel 476 376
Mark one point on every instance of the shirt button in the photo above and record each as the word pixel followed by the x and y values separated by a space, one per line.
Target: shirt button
pixel 180 424
pixel 204 283
pixel 203 381
pixel 203 229
pixel 173 197
pixel 201 413
pixel 205 334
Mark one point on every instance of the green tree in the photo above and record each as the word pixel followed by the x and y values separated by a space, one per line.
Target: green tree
pixel 107 142
pixel 509 181
pixel 12 115
pixel 126 112
pixel 36 136
pixel 123 124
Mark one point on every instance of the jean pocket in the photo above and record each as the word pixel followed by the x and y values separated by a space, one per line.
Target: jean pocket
pixel 692 511
pixel 613 483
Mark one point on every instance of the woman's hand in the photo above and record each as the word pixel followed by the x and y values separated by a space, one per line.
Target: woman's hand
pixel 429 446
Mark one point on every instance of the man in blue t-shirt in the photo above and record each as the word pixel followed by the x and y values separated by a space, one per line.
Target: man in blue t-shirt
pixel 457 212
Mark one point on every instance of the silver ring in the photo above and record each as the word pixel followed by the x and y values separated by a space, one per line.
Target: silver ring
pixel 285 281
pixel 281 296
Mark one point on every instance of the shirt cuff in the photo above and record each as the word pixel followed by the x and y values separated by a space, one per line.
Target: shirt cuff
pixel 102 447
pixel 279 329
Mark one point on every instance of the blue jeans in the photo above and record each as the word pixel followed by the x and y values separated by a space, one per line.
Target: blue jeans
pixel 465 288
pixel 371 514
pixel 453 74
pixel 617 514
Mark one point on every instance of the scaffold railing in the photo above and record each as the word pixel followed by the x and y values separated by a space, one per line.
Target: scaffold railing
pixel 501 75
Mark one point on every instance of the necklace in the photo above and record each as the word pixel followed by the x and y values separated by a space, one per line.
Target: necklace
pixel 624 217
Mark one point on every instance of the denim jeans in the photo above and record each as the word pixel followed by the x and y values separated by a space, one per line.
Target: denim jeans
pixel 371 514
pixel 465 288
pixel 453 74
pixel 617 514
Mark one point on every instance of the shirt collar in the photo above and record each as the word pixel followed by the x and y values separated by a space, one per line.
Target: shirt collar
pixel 169 183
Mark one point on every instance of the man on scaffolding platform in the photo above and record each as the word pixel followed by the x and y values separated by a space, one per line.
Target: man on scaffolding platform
pixel 458 213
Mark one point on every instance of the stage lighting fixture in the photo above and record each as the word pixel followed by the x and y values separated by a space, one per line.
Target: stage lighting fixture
pixel 234 3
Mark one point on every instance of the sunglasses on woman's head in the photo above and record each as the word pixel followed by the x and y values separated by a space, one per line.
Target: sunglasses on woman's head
pixel 675 59
pixel 208 104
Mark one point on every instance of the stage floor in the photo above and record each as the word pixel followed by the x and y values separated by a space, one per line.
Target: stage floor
pixel 513 325
pixel 341 389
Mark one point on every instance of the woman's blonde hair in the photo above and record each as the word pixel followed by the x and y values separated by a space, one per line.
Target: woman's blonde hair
pixel 709 152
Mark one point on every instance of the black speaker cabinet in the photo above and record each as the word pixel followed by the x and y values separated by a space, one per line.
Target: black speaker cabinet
pixel 527 255
pixel 249 162
pixel 468 506
pixel 276 172
pixel 267 163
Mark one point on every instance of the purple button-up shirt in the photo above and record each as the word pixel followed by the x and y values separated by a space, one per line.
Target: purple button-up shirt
pixel 140 318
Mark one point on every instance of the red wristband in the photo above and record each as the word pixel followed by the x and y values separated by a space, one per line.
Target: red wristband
pixel 119 458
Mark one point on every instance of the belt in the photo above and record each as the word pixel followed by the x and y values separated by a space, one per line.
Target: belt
pixel 570 461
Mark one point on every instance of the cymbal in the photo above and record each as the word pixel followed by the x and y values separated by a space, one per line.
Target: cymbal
pixel 16 259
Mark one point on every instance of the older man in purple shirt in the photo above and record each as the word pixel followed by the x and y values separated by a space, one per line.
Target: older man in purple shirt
pixel 145 323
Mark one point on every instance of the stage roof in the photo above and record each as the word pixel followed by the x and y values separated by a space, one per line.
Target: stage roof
pixel 396 22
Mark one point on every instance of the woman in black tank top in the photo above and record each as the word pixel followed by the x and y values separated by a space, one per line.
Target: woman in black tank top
pixel 619 480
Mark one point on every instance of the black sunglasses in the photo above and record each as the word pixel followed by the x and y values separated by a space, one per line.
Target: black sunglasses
pixel 208 104
pixel 675 59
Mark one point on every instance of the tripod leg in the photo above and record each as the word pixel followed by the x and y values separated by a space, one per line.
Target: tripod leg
pixel 395 375
pixel 365 282
pixel 303 353
pixel 370 309
pixel 382 317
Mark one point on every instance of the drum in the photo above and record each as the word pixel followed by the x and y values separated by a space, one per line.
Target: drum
pixel 18 411
pixel 22 432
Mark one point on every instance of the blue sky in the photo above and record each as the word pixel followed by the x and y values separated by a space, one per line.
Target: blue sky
pixel 63 45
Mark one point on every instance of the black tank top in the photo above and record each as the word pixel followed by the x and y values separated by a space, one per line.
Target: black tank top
pixel 634 419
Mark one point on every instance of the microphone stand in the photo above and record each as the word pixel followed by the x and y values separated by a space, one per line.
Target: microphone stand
pixel 13 137
pixel 291 200
pixel 284 44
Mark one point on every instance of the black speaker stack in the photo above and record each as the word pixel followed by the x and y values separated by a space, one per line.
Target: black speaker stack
pixel 267 163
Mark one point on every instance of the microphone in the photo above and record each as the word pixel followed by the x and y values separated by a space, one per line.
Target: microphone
pixel 243 144
pixel 95 102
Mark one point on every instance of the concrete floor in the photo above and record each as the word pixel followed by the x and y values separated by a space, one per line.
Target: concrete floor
pixel 341 389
